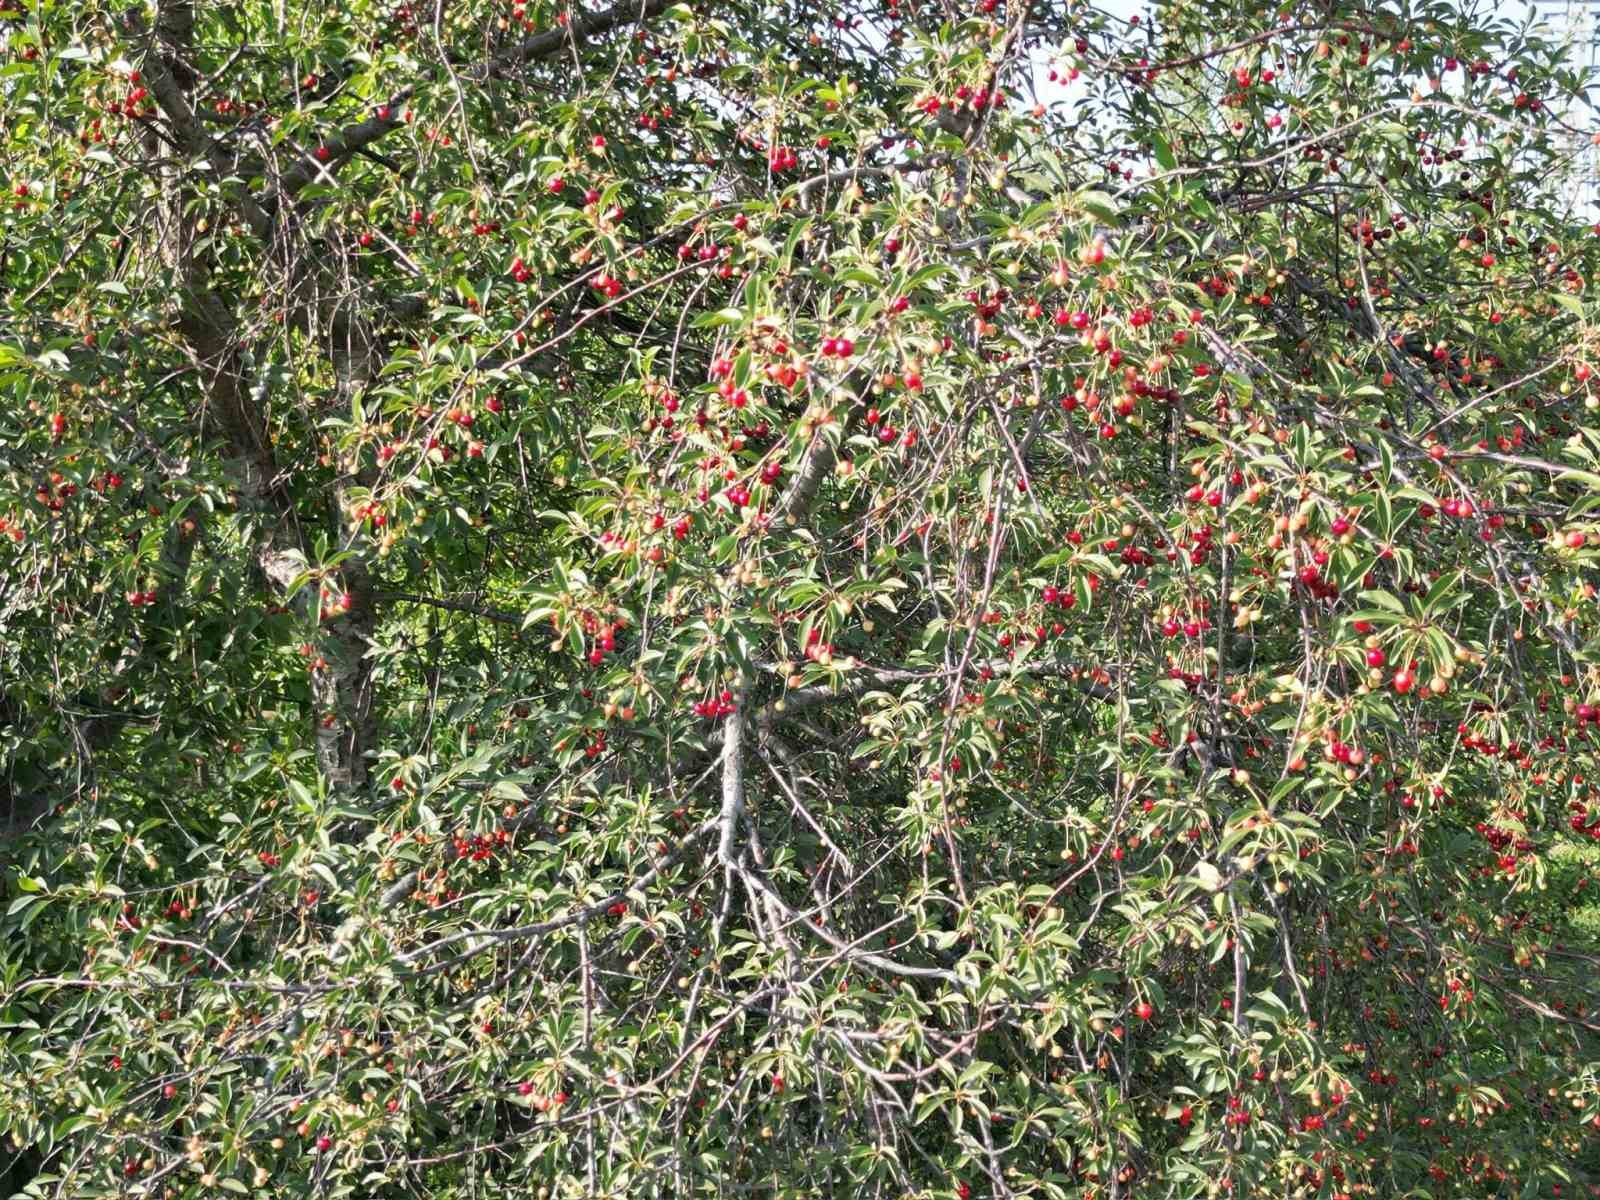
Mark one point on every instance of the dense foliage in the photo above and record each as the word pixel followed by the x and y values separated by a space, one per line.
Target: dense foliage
pixel 900 598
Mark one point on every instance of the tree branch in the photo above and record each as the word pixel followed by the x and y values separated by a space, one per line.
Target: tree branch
pixel 488 614
pixel 553 41
pixel 340 146
pixel 732 779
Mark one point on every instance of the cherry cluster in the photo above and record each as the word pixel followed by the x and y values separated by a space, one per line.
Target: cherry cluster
pixel 54 495
pixel 887 433
pixel 479 847
pixel 1505 844
pixel 334 604
pixel 1582 823
pixel 1310 578
pixel 721 705
pixel 604 633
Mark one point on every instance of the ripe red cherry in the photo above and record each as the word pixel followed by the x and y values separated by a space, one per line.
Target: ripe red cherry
pixel 1144 1010
pixel 324 1144
pixel 1376 657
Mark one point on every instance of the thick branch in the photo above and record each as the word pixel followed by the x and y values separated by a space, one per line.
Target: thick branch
pixel 340 146
pixel 819 461
pixel 553 41
pixel 732 780
pixel 191 133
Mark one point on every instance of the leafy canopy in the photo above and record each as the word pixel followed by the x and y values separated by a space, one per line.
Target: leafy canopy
pixel 852 599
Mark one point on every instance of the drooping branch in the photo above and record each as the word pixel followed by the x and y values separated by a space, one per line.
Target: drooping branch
pixel 488 938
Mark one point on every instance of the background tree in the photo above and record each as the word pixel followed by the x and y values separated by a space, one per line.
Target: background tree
pixel 848 600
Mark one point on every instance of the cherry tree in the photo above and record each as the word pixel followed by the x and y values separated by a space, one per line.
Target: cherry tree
pixel 860 599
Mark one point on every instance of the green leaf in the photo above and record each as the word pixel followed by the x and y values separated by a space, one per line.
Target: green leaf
pixel 724 316
pixel 1163 152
